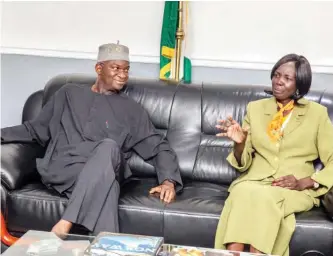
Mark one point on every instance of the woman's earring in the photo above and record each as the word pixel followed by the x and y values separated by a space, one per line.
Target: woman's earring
pixel 297 93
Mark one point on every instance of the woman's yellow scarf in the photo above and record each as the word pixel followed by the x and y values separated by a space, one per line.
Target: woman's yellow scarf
pixel 274 127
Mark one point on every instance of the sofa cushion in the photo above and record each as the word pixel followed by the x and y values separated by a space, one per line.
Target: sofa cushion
pixel 184 130
pixel 140 212
pixel 217 104
pixel 314 232
pixel 34 206
pixel 157 99
pixel 192 219
pixel 199 203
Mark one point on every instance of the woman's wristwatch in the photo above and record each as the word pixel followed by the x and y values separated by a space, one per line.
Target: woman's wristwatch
pixel 315 184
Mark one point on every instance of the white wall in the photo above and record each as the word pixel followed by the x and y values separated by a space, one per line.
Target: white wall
pixel 247 34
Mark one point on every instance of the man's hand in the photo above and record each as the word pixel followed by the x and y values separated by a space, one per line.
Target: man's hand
pixel 290 182
pixel 166 190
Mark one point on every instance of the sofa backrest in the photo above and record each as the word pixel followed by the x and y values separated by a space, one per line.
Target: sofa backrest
pixel 187 115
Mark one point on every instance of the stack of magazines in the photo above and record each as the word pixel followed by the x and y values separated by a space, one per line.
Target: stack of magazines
pixel 112 244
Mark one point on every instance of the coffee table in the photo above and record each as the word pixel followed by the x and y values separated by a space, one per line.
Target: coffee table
pixel 75 245
pixel 71 245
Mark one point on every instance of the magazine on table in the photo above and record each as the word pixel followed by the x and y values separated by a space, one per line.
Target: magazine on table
pixel 115 244
pixel 180 250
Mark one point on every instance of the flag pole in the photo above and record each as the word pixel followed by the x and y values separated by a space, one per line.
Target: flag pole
pixel 180 37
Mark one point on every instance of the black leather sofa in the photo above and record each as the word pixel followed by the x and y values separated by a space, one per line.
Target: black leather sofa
pixel 187 115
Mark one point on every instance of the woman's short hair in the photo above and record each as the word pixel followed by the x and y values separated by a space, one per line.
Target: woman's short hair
pixel 303 72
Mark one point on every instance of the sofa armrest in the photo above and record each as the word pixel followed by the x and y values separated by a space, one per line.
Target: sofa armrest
pixel 18 164
pixel 327 202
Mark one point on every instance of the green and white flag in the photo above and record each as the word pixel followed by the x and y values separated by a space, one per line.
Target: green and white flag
pixel 168 43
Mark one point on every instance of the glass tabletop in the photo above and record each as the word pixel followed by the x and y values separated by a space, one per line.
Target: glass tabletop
pixel 41 243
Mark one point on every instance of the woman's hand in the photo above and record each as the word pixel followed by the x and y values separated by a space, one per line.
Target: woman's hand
pixel 231 129
pixel 290 182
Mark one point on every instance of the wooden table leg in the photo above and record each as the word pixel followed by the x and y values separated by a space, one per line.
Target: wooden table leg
pixel 6 238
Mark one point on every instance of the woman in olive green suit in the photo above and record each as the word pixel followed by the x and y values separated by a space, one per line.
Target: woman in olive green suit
pixel 274 150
